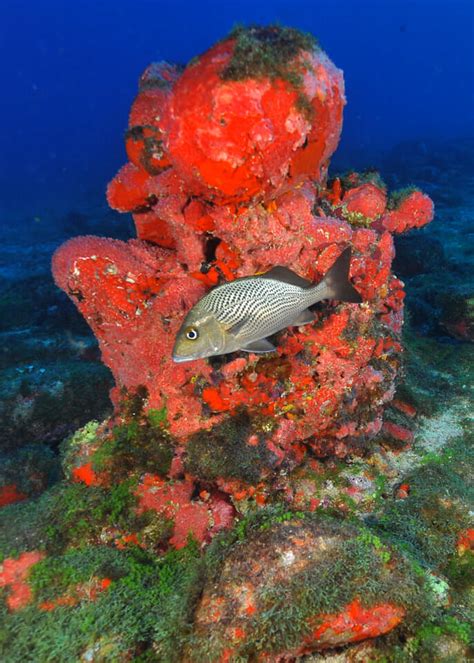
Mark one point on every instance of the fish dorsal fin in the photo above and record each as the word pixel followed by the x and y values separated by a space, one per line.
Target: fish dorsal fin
pixel 285 275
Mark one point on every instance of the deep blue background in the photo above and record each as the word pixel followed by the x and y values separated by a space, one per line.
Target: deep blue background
pixel 69 71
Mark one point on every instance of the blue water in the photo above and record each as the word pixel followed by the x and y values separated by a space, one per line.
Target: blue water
pixel 69 73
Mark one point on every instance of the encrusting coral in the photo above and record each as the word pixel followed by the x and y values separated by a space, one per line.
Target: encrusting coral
pixel 227 177
pixel 240 187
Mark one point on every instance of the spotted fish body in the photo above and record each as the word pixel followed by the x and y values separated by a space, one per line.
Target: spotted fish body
pixel 241 314
pixel 259 307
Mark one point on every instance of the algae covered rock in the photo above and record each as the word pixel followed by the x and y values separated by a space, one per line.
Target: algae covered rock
pixel 301 584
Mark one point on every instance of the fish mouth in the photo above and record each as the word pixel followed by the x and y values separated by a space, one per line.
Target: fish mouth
pixel 205 354
pixel 180 359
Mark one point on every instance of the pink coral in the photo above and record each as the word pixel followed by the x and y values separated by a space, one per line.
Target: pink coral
pixel 353 624
pixel 14 574
pixel 201 518
pixel 9 494
pixel 413 211
pixel 234 139
pixel 366 199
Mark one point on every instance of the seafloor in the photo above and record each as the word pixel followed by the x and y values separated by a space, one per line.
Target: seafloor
pixel 421 493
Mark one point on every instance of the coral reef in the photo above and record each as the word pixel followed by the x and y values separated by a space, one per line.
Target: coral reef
pixel 245 507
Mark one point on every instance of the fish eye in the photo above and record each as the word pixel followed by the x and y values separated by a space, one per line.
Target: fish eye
pixel 192 333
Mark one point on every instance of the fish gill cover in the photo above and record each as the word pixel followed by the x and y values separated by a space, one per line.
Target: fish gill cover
pixel 244 507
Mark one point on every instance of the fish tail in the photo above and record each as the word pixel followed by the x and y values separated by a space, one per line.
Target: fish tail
pixel 336 282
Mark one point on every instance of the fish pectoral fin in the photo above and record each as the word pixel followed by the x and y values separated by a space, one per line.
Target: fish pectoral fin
pixel 237 327
pixel 304 318
pixel 259 347
pixel 285 275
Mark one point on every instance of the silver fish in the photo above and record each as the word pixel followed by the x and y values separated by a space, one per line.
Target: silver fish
pixel 241 314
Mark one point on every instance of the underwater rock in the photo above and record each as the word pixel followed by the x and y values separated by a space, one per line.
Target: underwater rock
pixel 457 316
pixel 133 294
pixel 298 586
pixel 25 473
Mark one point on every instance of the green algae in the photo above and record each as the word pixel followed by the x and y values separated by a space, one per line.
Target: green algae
pixel 55 575
pixel 428 642
pixel 356 219
pixel 148 602
pixel 21 527
pixel 77 512
pixel 428 522
pixel 352 178
pixel 397 197
pixel 65 515
pixel 147 609
pixel 354 570
pixel 136 448
pixel 445 638
pixel 85 514
pixel 392 556
pixel 267 52
pixel 81 438
pixel 70 512
pixel 220 452
pixel 139 445
pixel 460 572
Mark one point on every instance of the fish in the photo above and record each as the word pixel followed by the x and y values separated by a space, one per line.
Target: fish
pixel 242 314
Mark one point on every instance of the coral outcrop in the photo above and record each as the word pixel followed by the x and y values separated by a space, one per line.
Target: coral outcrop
pixel 325 388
